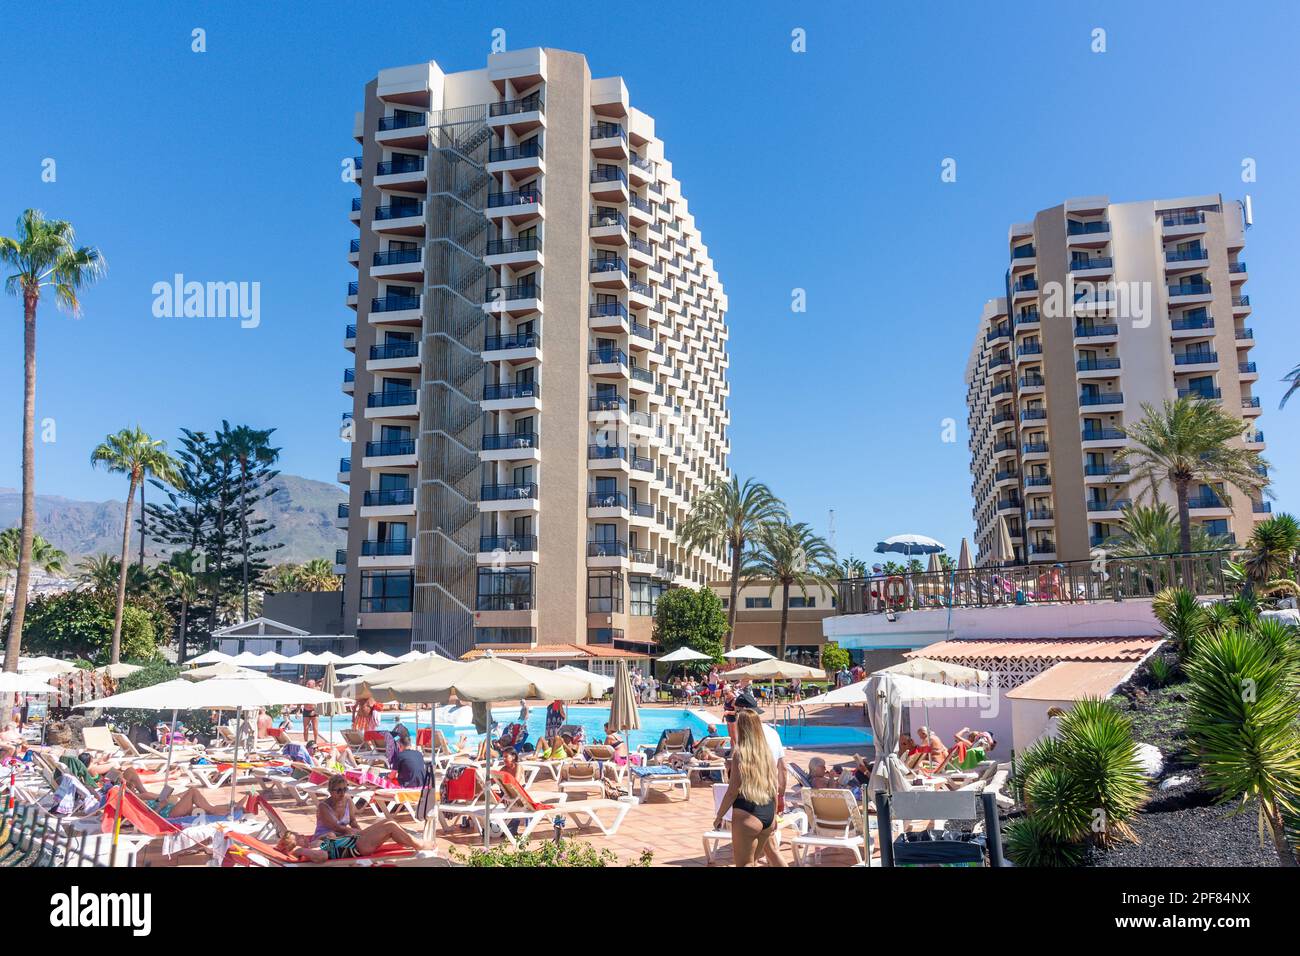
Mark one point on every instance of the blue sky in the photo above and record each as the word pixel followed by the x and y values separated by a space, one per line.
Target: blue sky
pixel 818 170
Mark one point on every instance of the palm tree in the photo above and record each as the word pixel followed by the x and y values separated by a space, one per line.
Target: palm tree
pixel 44 254
pixel 724 520
pixel 1186 441
pixel 790 555
pixel 248 447
pixel 180 584
pixel 1271 550
pixel 1153 529
pixel 1247 743
pixel 852 567
pixel 44 556
pixel 133 453
pixel 318 575
pixel 1293 377
pixel 282 578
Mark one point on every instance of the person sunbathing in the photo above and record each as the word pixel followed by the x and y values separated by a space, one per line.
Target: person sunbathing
pixel 930 750
pixel 11 739
pixel 319 849
pixel 851 775
pixel 819 775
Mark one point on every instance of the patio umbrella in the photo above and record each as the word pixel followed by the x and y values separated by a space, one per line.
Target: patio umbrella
pixel 1005 550
pixel 748 653
pixel 411 656
pixel 483 681
pixel 885 714
pixel 422 666
pixel 118 671
pixel 210 657
pixel 304 659
pixel 44 665
pixel 329 657
pixel 31 683
pixel 357 670
pixel 623 713
pixel 330 686
pixel 220 669
pixel 773 670
pixel 684 654
pixel 598 683
pixel 381 659
pixel 964 562
pixel 940 672
pixel 910 545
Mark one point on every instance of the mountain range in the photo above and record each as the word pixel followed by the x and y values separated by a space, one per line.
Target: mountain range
pixel 302 510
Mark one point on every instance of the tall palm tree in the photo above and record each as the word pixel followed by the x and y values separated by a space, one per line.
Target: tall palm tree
pixel 44 556
pixel 132 452
pixel 44 254
pixel 792 556
pixel 1293 377
pixel 852 567
pixel 248 447
pixel 1186 441
pixel 318 575
pixel 724 520
pixel 180 584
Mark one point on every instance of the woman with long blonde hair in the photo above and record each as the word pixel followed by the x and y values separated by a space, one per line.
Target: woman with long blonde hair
pixel 751 793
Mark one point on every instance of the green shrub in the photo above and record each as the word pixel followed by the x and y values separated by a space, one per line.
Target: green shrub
pixel 1160 670
pixel 835 658
pixel 552 853
pixel 157 671
pixel 1028 842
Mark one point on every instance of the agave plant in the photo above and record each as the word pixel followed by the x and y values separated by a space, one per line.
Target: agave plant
pixel 1270 556
pixel 1182 616
pixel 1044 752
pixel 1100 758
pixel 1029 842
pixel 1244 724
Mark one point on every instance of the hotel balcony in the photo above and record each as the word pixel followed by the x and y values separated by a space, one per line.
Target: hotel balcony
pixel 341 561
pixel 605 408
pixel 1254 440
pixel 514 252
pixel 1092 268
pixel 510 446
pixel 1102 401
pixel 1240 304
pixel 519 298
pixel 394 356
pixel 608 273
pixel 399 453
pixel 512 347
pixel 386 554
pixel 1192 327
pixel 1006 478
pixel 1084 234
pixel 643 380
pixel 507 548
pixel 1034 450
pixel 522 160
pixel 1023 257
pixel 403 264
pixel 1104 473
pixel 522 115
pixel 1261 508
pixel 350 338
pixel 341 517
pixel 603 457
pixel 1103 438
pixel 396 310
pixel 1044 550
pixel 1033 415
pixel 1028 352
pixel 1096 368
pixel 1237 272
pixel 404 128
pixel 1197 361
pixel 1175 224
pixel 512 396
pixel 607 504
pixel 345 471
pixel 607 317
pixel 1209 506
pixel 642 213
pixel 518 496
pixel 606 554
pixel 609 141
pixel 388 502
pixel 1188 293
pixel 354 212
pixel 1028 320
pixel 1248 371
pixel 403 173
pixel 351 299
pixel 1025 287
pixel 354 247
pixel 1032 384
pixel 1250 406
pixel 608 228
pixel 1245 337
pixel 1111 509
pixel 1095 333
pixel 349 380
pixel 1178 260
pixel 609 184
pixel 402 219
pixel 393 403
pixel 1040 518
pixel 607 362
pixel 1094 302
pixel 517 205
pixel 999 361
pixel 1000 334
pixel 1203 393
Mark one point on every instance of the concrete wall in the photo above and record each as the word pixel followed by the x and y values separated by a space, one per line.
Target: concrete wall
pixel 317 612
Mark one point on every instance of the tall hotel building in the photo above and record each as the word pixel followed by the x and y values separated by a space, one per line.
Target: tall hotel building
pixel 540 379
pixel 1107 306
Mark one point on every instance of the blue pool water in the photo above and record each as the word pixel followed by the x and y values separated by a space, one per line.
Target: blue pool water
pixel 654 721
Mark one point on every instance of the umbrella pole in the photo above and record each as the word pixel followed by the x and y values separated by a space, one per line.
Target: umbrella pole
pixel 234 770
pixel 487 773
pixel 431 830
pixel 171 745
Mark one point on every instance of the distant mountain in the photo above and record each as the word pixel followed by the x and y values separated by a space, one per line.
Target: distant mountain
pixel 302 510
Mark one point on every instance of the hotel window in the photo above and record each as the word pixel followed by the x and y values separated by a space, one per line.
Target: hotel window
pixel 503 635
pixel 385 592
pixel 605 593
pixel 803 602
pixel 752 603
pixel 507 590
pixel 645 594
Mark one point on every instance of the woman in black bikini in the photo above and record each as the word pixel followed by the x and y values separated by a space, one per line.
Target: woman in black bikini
pixel 751 790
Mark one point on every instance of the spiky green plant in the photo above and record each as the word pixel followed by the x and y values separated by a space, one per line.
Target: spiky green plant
pixel 1029 842
pixel 1044 752
pixel 1181 615
pixel 1161 671
pixel 1100 759
pixel 1244 724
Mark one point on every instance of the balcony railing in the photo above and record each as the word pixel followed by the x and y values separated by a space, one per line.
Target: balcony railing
pixel 1033 414
pixel 1038 481
pixel 504 441
pixel 607 452
pixel 407 164
pixel 1245 333
pixel 514 197
pixel 1101 398
pixel 1105 469
pixel 1182 218
pixel 376 549
pixel 508 492
pixel 1113 504
pixel 643 509
pixel 384 449
pixel 1261 507
pixel 1083 581
pixel 1190 288
pixel 1032 381
pixel 1074 228
pixel 1041 514
pixel 513 293
pixel 607 549
pixel 641 288
pixel 642 375
pixel 388 497
pixel 1237 267
pixel 503 602
pixel 997 332
pixel 599 309
pixel 402 119
pixel 345 465
pixel 350 332
pixel 1086 330
pixel 515 340
pixel 528 104
pixel 530 150
pixel 1241 300
pixel 1205 501
pixel 399 210
pixel 344 509
pixel 608 174
pixel 392 396
pixel 642 331
pixel 1034 447
pixel 1257 438
pixel 356 204
pixel 1028 317
pixel 1192 323
pixel 1101 434
pixel 1247 368
pixel 1196 358
pixel 349 375
pixel 1201 392
pixel 606 357
pixel 607 499
pixel 394 303
pixel 608 264
pixel 1026 284
pixel 606 403
pixel 500 390
pixel 1250 402
pixel 341 556
pixel 502 247
pixel 396 257
pixel 1097 365
pixel 641 555
pixel 353 288
pixel 508 543
pixel 642 464
pixel 1023 252
pixel 1187 255
pixel 609 217
pixel 393 350
pixel 354 245
pixel 1100 262
pixel 608 131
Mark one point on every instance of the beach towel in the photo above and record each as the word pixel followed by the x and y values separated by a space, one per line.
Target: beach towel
pixel 659 770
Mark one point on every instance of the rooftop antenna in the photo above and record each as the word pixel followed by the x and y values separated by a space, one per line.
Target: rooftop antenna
pixel 1248 212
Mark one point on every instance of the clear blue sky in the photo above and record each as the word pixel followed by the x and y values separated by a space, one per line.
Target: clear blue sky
pixel 817 170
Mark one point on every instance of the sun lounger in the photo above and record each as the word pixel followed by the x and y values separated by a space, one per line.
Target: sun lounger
pixel 531 811
pixel 835 820
pixel 580 775
pixel 667 776
pixel 250 851
pixel 793 821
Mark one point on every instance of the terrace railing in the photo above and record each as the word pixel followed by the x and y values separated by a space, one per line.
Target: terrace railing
pixel 1095 579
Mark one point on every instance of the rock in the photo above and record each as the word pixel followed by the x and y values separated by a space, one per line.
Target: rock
pixel 1177 780
pixel 1150 759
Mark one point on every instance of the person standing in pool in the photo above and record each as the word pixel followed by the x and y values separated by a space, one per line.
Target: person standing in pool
pixel 310 722
pixel 556 716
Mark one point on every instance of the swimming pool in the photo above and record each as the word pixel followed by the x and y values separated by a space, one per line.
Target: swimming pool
pixel 654 721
